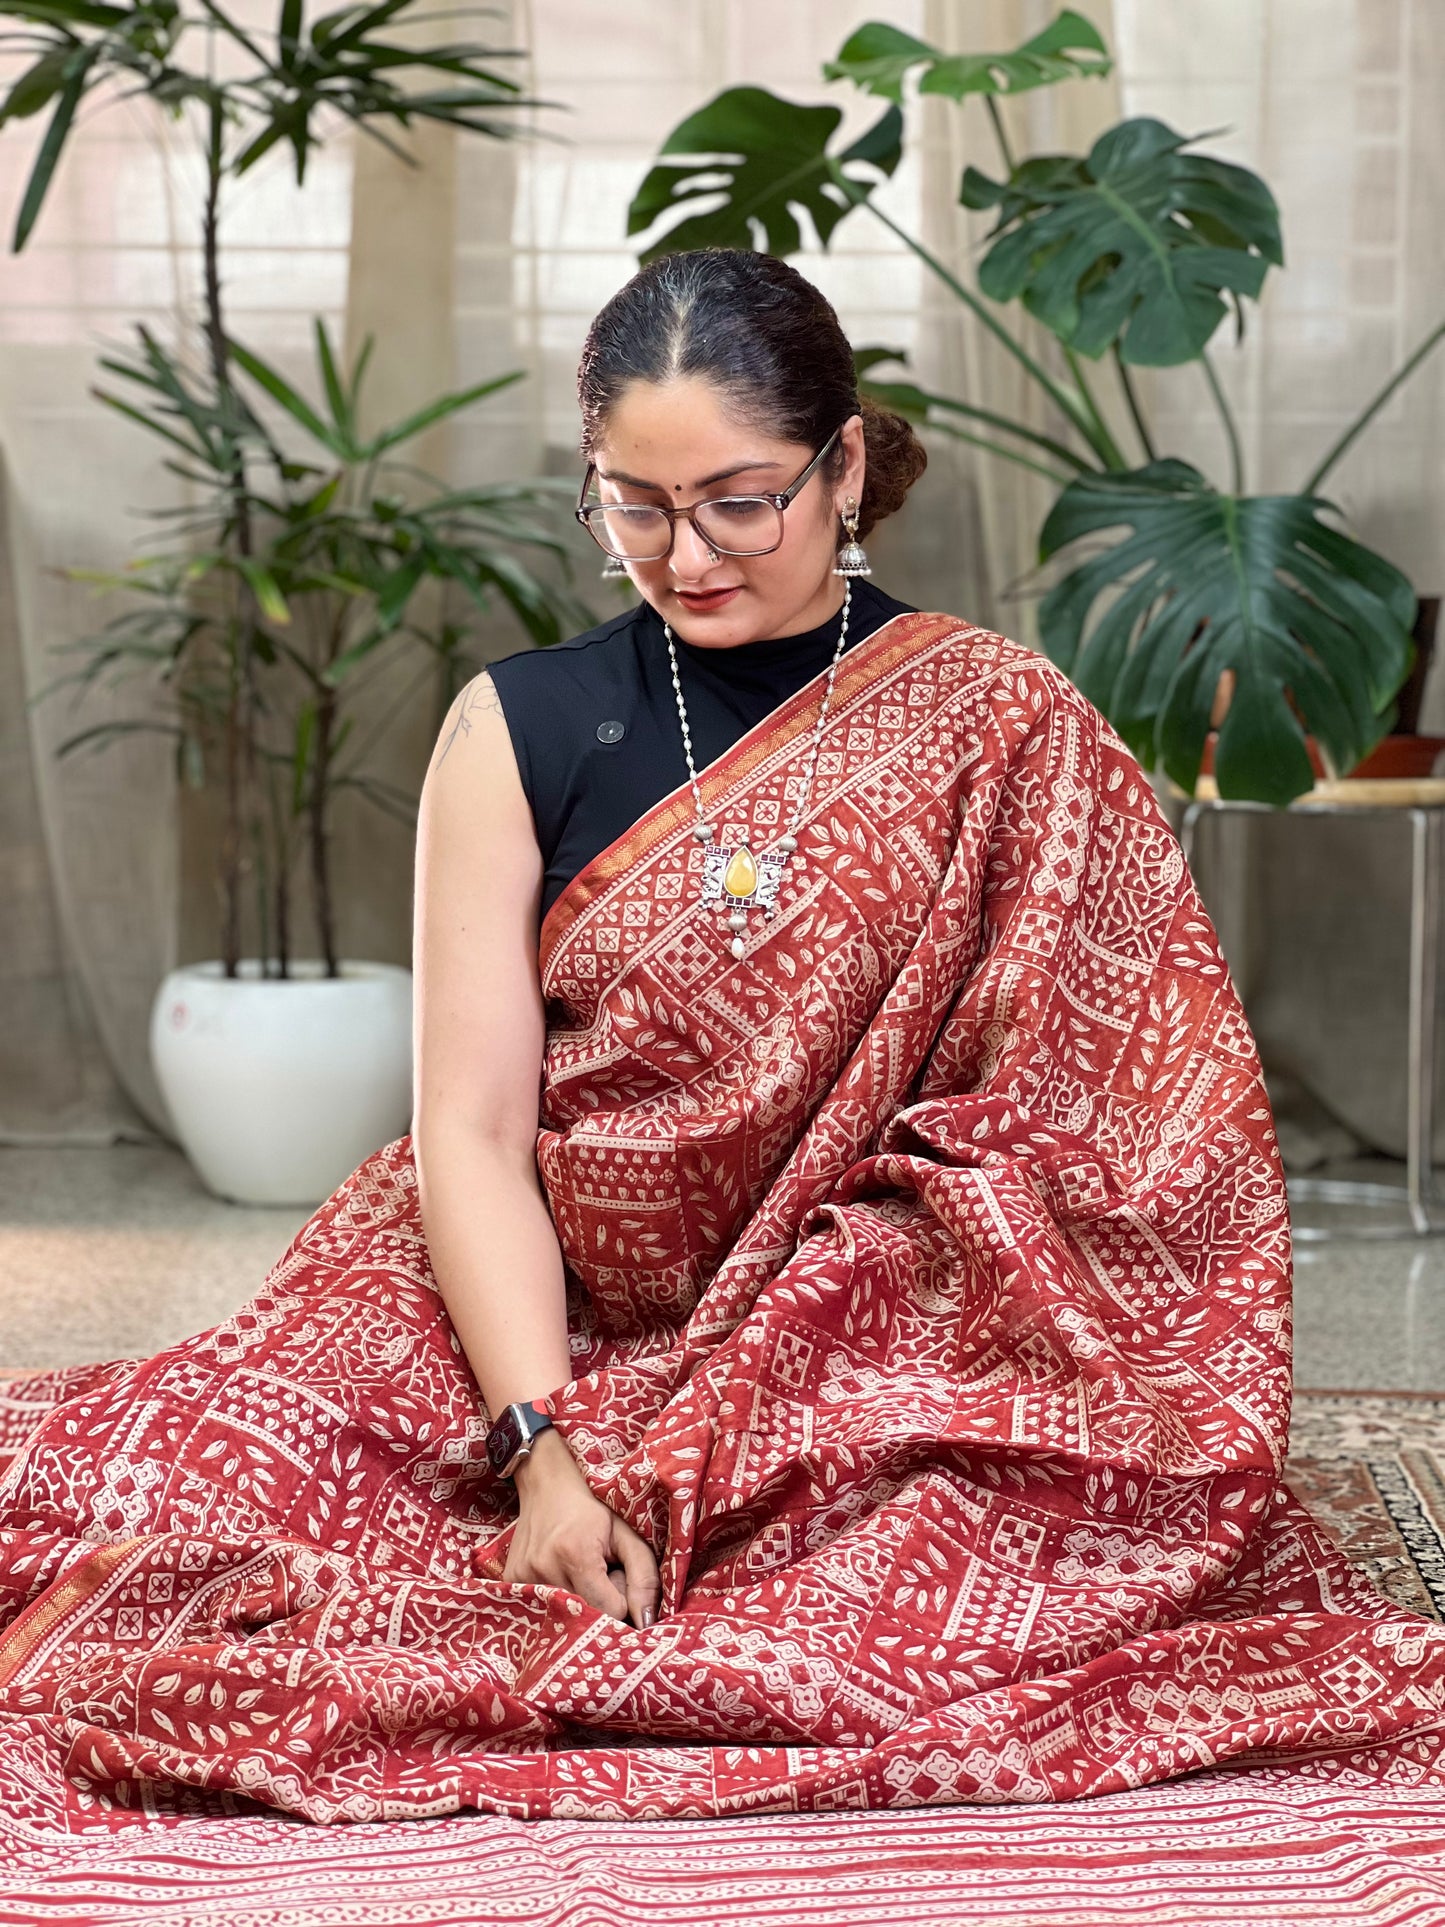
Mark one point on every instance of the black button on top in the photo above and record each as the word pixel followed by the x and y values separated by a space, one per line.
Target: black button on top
pixel 611 731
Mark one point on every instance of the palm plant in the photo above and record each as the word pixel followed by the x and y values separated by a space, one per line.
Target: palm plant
pixel 352 554
pixel 1136 253
pixel 321 534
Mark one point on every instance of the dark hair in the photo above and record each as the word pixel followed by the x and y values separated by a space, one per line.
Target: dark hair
pixel 767 338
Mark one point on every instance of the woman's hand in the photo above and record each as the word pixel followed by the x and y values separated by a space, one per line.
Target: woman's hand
pixel 566 1537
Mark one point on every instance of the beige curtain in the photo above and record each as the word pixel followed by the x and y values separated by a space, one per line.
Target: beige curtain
pixel 56 1082
pixel 1337 106
pixel 91 926
pixel 986 512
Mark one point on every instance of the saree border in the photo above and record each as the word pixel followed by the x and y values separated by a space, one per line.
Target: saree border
pixel 90 1575
pixel 873 657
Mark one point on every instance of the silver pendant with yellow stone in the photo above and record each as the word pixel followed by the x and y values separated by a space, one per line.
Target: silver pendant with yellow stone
pixel 735 880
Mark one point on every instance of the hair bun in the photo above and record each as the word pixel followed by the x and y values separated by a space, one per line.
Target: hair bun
pixel 896 459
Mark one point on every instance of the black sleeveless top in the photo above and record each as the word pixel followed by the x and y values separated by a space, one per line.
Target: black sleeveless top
pixel 595 727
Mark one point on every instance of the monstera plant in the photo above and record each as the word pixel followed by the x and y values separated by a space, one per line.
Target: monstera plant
pixel 1173 592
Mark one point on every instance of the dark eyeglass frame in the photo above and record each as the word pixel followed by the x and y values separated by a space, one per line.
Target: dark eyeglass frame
pixel 779 501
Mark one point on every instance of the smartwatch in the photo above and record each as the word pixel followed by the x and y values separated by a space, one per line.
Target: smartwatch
pixel 513 1435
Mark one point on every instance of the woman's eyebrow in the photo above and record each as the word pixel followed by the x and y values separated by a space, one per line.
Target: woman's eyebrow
pixel 722 475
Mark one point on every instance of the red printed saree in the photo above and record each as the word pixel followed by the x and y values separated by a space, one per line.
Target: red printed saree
pixel 929 1282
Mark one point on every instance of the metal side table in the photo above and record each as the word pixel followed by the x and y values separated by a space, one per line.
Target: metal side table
pixel 1421 803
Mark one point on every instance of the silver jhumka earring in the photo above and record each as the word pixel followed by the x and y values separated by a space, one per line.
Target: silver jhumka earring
pixel 613 568
pixel 852 559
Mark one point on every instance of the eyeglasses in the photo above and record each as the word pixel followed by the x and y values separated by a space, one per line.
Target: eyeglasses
pixel 731 524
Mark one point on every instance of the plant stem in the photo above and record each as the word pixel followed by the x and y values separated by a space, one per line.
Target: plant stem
pixel 1363 420
pixel 231 831
pixel 240 731
pixel 996 117
pixel 1136 410
pixel 327 708
pixel 991 419
pixel 282 880
pixel 1008 454
pixel 316 815
pixel 263 921
pixel 1062 399
pixel 283 918
pixel 1236 453
pixel 1115 455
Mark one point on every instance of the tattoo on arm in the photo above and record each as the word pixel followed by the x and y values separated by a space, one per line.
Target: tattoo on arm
pixel 480 694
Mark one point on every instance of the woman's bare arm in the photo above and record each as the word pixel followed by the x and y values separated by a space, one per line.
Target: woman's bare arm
pixel 479 1037
pixel 479 1033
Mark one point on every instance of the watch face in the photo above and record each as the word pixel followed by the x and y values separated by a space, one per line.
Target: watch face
pixel 512 1435
pixel 503 1440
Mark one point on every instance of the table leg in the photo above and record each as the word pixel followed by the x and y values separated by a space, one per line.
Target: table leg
pixel 1186 833
pixel 1424 942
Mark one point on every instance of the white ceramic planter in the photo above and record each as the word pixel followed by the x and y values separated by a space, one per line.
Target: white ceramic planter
pixel 278 1090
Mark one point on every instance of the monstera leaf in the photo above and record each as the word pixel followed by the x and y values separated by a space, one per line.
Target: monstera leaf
pixel 766 158
pixel 1139 245
pixel 877 58
pixel 1315 627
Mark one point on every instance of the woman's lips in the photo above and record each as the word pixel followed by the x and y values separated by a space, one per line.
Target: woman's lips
pixel 700 601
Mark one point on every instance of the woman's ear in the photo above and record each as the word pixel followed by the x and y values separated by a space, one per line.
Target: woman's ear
pixel 855 464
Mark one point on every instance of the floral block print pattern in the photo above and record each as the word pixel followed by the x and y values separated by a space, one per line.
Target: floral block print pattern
pixel 928 1270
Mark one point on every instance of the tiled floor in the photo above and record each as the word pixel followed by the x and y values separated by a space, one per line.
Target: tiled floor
pixel 115 1253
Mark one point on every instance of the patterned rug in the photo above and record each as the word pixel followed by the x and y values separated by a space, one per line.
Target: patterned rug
pixel 1371 1468
pixel 1273 1846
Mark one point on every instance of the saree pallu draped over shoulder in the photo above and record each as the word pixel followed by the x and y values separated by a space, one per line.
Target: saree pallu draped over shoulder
pixel 928 1271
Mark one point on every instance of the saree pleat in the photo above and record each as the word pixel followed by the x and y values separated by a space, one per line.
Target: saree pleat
pixel 928 1282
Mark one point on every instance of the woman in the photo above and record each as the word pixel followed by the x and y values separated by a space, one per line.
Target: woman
pixel 553 755
pixel 837 1120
